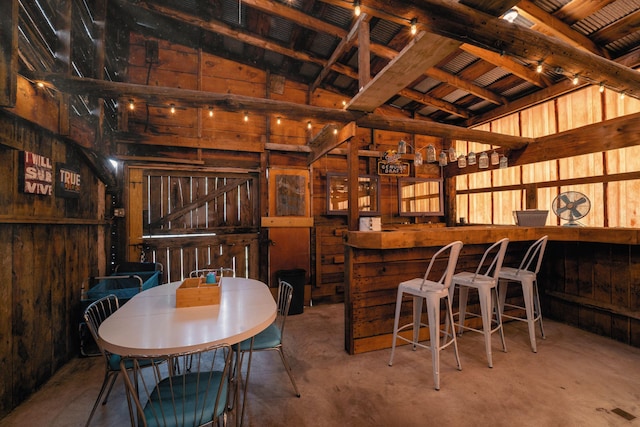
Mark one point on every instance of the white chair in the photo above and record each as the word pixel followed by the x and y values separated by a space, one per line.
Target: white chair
pixel 432 292
pixel 527 275
pixel 190 398
pixel 485 280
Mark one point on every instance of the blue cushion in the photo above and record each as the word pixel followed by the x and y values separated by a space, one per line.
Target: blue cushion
pixel 194 396
pixel 268 338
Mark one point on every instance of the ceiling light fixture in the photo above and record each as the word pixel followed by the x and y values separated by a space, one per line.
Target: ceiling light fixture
pixel 511 15
pixel 356 8
pixel 414 26
pixel 246 116
pixel 575 80
pixel 173 109
pixel 309 125
pixel 278 121
pixel 131 105
pixel 210 111
pixel 601 88
pixel 539 67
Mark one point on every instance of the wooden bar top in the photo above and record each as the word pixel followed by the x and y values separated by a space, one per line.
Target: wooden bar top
pixel 417 236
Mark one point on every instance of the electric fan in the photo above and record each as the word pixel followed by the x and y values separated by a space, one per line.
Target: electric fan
pixel 571 206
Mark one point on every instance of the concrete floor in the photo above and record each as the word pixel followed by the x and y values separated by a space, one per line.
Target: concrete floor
pixel 575 379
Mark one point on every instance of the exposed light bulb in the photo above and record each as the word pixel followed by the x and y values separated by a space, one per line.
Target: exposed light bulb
pixel 210 111
pixel 601 88
pixel 621 95
pixel 539 67
pixel 246 116
pixel 173 109
pixel 335 131
pixel 278 120
pixel 414 26
pixel 309 125
pixel 356 8
pixel 40 84
pixel 575 80
pixel 131 105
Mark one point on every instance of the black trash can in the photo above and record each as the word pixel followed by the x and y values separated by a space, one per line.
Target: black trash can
pixel 296 278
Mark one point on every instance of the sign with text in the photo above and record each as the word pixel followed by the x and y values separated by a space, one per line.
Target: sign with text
pixel 36 174
pixel 393 168
pixel 68 182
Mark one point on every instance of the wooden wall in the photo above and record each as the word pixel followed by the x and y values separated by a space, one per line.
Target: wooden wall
pixel 48 246
pixel 594 286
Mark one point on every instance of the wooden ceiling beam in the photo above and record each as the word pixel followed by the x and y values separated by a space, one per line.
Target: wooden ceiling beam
pixel 509 64
pixel 424 98
pixel 466 85
pixel 342 47
pixel 420 127
pixel 197 99
pixel 423 52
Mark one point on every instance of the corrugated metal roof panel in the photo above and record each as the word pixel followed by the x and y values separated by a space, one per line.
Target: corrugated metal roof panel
pixel 426 85
pixel 384 31
pixel 607 15
pixel 280 29
pixel 338 16
pixel 491 77
pixel 459 63
pixel 455 95
pixel 323 45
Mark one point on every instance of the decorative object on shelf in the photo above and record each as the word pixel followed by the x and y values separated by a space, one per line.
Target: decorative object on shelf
pixel 495 158
pixel 471 158
pixel 504 163
pixel 452 154
pixel 462 161
pixel 442 159
pixel 483 161
pixel 431 154
pixel 402 147
pixel 417 160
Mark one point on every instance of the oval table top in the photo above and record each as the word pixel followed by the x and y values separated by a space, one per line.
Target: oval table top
pixel 151 325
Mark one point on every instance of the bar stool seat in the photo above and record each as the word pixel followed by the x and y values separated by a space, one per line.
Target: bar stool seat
pixel 432 292
pixel 527 275
pixel 485 280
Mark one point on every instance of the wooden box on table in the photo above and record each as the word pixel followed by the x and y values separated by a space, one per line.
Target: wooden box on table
pixel 195 292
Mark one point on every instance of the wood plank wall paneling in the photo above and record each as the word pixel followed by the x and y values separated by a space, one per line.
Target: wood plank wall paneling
pixel 46 253
pixel 593 286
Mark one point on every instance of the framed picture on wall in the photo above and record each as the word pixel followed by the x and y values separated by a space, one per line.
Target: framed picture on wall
pixel 289 193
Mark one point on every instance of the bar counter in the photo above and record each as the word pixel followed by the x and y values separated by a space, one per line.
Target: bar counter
pixel 589 276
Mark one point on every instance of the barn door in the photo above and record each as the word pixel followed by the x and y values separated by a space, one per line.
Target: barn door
pixel 193 220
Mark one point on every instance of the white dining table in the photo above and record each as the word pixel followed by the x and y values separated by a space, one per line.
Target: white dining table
pixel 150 324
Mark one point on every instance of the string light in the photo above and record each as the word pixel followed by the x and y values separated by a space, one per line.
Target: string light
pixel 131 105
pixel 210 111
pixel 356 7
pixel 173 109
pixel 414 26
pixel 575 79
pixel 246 116
pixel 539 67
